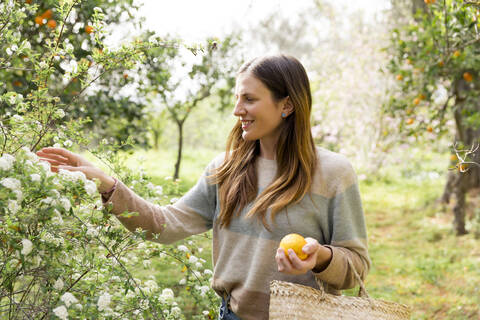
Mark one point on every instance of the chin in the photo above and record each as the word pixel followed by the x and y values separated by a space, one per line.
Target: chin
pixel 247 136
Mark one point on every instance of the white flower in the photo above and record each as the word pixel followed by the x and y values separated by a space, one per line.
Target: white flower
pixel 167 295
pixel 65 203
pixel 208 271
pixel 159 190
pixel 182 281
pixel 203 290
pixel 176 312
pixel 13 206
pixel 146 263
pixel 6 162
pixel 192 259
pixel 61 312
pixel 11 183
pixel 29 154
pixel 97 9
pixel 92 232
pixel 15 117
pixel 60 113
pixel 68 299
pixel 104 301
pixel 69 47
pixel 183 248
pixel 35 177
pixel 90 187
pixel 58 285
pixel 43 64
pixel 68 143
pixel 9 51
pixel 27 247
pixel 27 45
pixel 14 47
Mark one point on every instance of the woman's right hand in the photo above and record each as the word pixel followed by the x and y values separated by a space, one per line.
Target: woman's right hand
pixel 60 158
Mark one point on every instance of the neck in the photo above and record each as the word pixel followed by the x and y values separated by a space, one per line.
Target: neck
pixel 268 149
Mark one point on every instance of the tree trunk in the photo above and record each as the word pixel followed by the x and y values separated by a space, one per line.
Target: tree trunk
pixel 156 137
pixel 180 146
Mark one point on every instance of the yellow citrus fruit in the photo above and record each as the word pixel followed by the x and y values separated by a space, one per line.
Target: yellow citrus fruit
pixel 453 157
pixel 399 77
pixel 295 242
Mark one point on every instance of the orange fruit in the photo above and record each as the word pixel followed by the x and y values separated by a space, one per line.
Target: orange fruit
pixel 409 61
pixel 410 120
pixel 468 76
pixel 441 63
pixel 88 29
pixel 295 242
pixel 39 20
pixel 125 76
pixel 421 96
pixel 52 24
pixel 429 129
pixel 453 157
pixel 28 1
pixel 47 14
pixel 416 101
pixel 399 77
pixel 456 54
pixel 462 167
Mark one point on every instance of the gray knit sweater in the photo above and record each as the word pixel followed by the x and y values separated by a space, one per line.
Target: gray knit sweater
pixel 244 253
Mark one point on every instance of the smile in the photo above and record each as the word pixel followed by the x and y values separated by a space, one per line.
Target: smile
pixel 246 124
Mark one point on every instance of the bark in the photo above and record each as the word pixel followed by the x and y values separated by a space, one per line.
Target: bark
pixel 180 147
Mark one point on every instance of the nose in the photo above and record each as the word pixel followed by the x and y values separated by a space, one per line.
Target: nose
pixel 239 110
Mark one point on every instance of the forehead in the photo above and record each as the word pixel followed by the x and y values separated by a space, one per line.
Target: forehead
pixel 248 83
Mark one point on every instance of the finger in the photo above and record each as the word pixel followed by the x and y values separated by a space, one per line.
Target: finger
pixel 59 151
pixel 311 246
pixel 52 162
pixel 281 258
pixel 294 260
pixel 52 156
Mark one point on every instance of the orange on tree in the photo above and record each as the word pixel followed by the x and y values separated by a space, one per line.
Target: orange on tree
pixel 52 24
pixel 429 129
pixel 48 14
pixel 456 54
pixel 295 242
pixel 416 101
pixel 429 1
pixel 410 120
pixel 453 157
pixel 39 20
pixel 399 77
pixel 441 63
pixel 125 76
pixel 468 76
pixel 28 1
pixel 88 29
pixel 421 96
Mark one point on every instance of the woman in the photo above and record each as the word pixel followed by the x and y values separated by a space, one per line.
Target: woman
pixel 271 181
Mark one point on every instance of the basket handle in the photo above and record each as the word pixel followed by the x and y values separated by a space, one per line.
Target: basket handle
pixel 362 291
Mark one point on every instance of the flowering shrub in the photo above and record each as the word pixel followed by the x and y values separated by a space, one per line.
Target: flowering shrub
pixel 62 255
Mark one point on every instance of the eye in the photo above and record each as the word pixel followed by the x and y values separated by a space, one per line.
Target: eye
pixel 249 99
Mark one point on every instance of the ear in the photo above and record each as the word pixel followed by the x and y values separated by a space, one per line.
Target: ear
pixel 287 106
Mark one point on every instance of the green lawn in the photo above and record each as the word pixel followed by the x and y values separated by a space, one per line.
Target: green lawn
pixel 416 258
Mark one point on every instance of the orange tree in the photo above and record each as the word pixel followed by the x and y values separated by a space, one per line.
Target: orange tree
pixel 113 113
pixel 435 60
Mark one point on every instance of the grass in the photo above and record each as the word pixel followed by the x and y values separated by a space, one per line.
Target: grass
pixel 416 258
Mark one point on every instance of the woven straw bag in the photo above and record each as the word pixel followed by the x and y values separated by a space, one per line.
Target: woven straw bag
pixel 289 301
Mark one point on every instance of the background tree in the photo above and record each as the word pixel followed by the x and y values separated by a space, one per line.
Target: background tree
pixel 188 83
pixel 436 64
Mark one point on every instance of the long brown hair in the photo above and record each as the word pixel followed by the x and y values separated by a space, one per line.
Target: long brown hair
pixel 237 183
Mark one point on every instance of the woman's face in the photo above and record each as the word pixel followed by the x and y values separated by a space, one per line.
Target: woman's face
pixel 260 114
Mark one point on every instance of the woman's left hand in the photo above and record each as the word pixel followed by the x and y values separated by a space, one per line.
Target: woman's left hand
pixel 318 256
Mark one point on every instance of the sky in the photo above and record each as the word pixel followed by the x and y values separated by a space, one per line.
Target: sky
pixel 194 20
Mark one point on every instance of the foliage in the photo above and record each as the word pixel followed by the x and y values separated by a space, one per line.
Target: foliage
pixel 435 61
pixel 186 84
pixel 61 253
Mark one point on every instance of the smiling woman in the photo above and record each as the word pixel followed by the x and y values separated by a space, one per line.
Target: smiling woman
pixel 270 182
